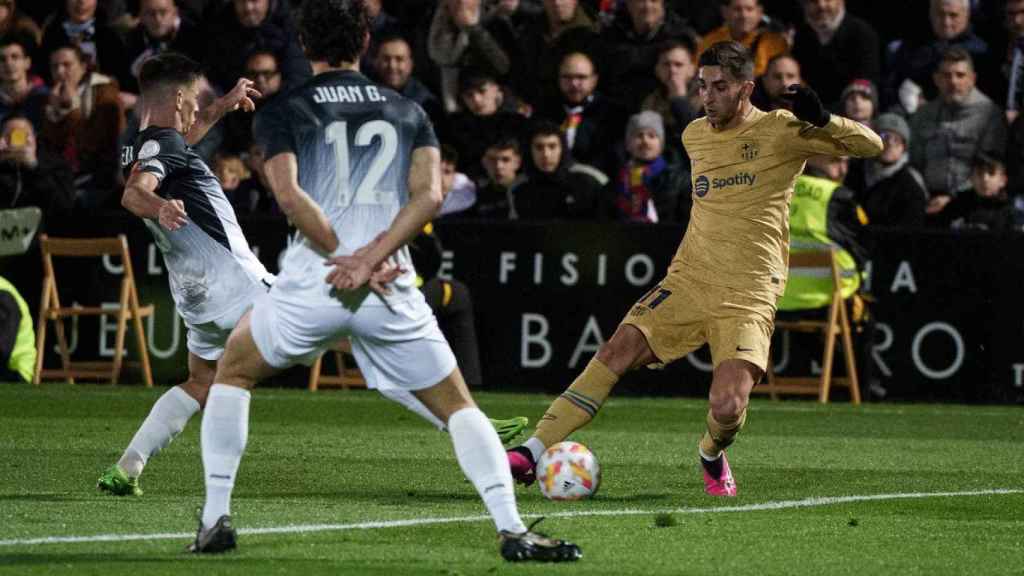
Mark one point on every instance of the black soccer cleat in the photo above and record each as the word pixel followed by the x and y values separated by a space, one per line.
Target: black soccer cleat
pixel 536 547
pixel 220 538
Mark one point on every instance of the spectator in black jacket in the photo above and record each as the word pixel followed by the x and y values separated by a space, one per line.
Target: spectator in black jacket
pixel 834 48
pixel 986 206
pixel 242 27
pixel 161 27
pixel 631 46
pixel 555 187
pixel 677 98
pixel 502 162
pixel 649 188
pixel 591 122
pixel 894 192
pixel 393 66
pixel 30 175
pixel 81 24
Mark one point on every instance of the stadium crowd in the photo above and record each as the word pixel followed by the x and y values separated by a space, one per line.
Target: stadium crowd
pixel 547 109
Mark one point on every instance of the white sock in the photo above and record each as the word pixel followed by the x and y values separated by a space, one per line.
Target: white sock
pixel 166 420
pixel 483 461
pixel 706 457
pixel 535 446
pixel 410 401
pixel 225 430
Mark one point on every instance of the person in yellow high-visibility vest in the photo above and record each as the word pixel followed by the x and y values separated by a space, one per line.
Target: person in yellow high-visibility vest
pixel 17 336
pixel 823 213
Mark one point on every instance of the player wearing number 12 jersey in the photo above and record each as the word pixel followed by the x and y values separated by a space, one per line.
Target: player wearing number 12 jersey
pixel 357 170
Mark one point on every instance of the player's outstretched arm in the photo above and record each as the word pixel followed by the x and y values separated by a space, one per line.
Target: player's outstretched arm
pixel 837 136
pixel 240 97
pixel 141 199
pixel 282 176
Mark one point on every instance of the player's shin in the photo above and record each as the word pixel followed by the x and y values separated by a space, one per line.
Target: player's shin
pixel 483 461
pixel 719 436
pixel 576 407
pixel 166 420
pixel 224 434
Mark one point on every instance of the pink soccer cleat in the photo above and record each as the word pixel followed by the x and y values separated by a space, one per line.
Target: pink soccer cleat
pixel 521 462
pixel 724 485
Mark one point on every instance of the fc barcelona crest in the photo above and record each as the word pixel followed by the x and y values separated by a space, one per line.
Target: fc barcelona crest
pixel 749 151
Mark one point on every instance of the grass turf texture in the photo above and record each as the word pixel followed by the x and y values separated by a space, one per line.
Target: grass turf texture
pixel 351 457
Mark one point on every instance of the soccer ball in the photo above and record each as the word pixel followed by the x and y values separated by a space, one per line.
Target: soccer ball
pixel 568 471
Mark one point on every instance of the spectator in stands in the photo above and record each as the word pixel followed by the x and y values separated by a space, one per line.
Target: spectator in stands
pixel 544 41
pixel 556 188
pixel 912 63
pixel 84 118
pixel 859 101
pixel 31 175
pixel 677 98
pixel 649 188
pixel 895 193
pixel 242 27
pixel 77 23
pixel 514 14
pixel 393 65
pixel 745 23
pixel 458 190
pixel 1013 65
pixel 834 48
pixel 233 174
pixel 262 68
pixel 783 71
pixel 17 93
pixel 986 206
pixel 631 45
pixel 951 130
pixel 487 112
pixel 161 27
pixel 14 21
pixel 457 40
pixel 502 162
pixel 591 122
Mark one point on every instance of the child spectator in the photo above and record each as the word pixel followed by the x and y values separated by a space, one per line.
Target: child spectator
pixel 986 206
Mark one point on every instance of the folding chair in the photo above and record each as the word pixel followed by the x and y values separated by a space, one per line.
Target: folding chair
pixel 128 309
pixel 348 376
pixel 835 324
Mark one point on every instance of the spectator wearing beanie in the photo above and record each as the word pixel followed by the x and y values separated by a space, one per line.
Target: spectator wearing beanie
pixel 648 188
pixel 859 101
pixel 895 194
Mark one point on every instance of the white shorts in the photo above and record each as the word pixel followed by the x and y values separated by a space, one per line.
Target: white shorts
pixel 207 340
pixel 399 346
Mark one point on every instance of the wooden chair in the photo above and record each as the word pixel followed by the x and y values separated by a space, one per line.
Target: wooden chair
pixel 835 324
pixel 348 376
pixel 128 309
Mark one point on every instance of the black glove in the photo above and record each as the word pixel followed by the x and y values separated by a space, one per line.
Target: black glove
pixel 806 105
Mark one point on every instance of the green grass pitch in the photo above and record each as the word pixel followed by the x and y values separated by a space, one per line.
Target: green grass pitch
pixel 337 462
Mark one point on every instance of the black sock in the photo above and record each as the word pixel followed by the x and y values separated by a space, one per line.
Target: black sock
pixel 714 467
pixel 525 452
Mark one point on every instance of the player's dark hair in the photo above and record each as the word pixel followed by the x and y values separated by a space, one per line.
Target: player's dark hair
pixel 732 57
pixel 334 31
pixel 168 69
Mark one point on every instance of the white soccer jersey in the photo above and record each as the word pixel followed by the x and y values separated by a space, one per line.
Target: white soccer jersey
pixel 211 269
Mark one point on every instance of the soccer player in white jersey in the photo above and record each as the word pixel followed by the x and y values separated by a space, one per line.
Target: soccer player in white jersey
pixel 214 276
pixel 356 168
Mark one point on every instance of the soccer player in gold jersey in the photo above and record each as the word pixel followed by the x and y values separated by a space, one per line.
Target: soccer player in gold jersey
pixel 730 269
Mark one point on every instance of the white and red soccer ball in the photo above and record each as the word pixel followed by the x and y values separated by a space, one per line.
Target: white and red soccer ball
pixel 568 471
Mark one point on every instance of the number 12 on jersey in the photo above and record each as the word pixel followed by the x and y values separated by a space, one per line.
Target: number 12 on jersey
pixel 367 193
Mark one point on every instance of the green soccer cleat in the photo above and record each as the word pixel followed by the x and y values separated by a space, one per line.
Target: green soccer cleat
pixel 509 429
pixel 115 481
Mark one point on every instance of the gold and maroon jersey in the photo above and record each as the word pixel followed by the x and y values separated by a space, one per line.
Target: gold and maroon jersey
pixel 743 180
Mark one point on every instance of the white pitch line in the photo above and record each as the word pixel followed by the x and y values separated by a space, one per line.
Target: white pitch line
pixel 310 528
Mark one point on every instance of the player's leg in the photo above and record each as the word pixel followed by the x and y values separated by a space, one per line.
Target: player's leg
pixel 482 459
pixel 739 349
pixel 225 432
pixel 166 419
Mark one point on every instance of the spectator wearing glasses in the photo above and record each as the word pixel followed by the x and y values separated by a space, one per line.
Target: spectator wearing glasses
pixel 262 68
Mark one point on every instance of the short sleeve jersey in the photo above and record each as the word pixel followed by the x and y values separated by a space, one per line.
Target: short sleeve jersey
pixel 210 266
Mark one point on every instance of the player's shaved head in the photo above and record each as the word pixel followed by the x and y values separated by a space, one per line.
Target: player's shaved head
pixel 168 70
pixel 334 31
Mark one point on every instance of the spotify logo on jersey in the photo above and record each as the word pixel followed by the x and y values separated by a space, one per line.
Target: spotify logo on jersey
pixel 701 186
